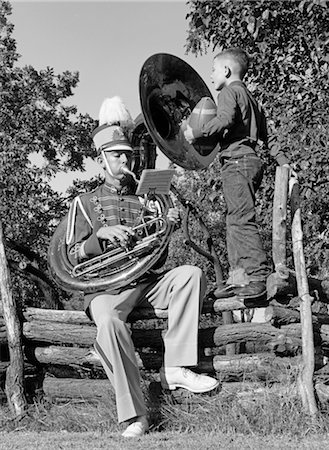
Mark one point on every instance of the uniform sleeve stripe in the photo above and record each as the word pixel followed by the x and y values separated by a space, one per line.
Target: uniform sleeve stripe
pixel 84 212
pixel 70 222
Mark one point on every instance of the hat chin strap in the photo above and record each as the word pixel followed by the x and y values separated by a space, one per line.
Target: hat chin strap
pixel 108 168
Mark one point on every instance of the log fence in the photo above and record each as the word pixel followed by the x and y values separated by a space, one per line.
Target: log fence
pixel 59 359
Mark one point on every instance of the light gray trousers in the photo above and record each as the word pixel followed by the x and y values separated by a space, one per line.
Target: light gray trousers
pixel 181 291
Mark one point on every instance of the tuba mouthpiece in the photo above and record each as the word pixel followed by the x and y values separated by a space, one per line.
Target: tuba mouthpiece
pixel 126 171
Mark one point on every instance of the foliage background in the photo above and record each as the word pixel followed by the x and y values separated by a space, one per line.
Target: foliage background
pixel 34 119
pixel 289 45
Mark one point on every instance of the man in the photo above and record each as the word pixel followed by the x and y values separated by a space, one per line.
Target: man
pixel 106 217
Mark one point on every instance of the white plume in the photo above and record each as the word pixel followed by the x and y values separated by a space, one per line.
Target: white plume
pixel 113 111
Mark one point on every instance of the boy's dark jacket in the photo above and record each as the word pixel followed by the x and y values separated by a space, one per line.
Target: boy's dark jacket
pixel 240 124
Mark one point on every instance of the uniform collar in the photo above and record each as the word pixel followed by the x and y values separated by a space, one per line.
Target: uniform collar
pixel 123 190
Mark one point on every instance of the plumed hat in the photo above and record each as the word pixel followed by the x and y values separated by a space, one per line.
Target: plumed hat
pixel 115 122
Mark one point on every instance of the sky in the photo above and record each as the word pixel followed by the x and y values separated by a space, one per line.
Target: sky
pixel 107 42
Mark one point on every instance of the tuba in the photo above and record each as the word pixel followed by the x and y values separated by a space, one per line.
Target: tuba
pixel 169 90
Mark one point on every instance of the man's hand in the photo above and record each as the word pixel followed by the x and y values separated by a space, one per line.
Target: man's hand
pixel 188 134
pixel 118 235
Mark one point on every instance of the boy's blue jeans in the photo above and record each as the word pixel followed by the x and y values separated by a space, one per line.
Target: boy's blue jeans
pixel 241 179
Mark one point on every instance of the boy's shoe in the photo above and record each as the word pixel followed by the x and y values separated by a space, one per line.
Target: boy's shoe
pixel 137 428
pixel 181 377
pixel 254 289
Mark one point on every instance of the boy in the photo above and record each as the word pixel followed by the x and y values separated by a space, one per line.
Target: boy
pixel 106 217
pixel 240 125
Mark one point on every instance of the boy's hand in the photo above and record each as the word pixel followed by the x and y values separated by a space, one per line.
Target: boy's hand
pixel 188 134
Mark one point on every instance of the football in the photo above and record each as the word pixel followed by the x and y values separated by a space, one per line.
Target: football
pixel 203 111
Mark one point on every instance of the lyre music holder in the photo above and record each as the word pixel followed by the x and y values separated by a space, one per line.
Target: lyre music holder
pixel 155 181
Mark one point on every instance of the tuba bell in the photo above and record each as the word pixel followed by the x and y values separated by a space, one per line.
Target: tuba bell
pixel 169 90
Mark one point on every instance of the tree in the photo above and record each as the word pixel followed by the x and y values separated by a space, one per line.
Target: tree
pixel 35 121
pixel 194 188
pixel 289 45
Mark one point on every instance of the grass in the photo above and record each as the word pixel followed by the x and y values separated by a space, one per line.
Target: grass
pixel 246 418
pixel 167 441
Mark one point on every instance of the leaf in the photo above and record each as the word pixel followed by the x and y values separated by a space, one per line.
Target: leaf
pixel 266 14
pixel 213 197
pixel 251 22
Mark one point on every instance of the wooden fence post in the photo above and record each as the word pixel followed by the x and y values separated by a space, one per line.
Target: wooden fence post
pixel 15 371
pixel 279 229
pixel 279 278
pixel 305 379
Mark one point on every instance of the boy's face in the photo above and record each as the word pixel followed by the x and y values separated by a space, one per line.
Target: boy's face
pixel 220 73
pixel 117 159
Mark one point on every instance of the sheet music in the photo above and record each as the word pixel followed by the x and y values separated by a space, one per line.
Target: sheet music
pixel 156 181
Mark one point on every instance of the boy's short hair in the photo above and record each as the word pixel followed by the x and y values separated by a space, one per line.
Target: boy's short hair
pixel 238 56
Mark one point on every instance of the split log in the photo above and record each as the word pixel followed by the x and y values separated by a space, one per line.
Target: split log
pixel 235 366
pixel 278 316
pixel 79 317
pixel 146 316
pixel 251 332
pixel 87 357
pixel 59 333
pixel 255 367
pixel 84 335
pixel 55 315
pixel 210 305
pixel 101 390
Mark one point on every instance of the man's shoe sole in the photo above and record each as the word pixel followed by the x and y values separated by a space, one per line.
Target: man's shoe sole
pixel 172 387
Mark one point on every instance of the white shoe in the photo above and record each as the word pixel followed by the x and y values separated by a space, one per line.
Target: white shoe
pixel 180 377
pixel 137 429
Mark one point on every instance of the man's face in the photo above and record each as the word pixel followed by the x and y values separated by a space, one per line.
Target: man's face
pixel 219 73
pixel 117 159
